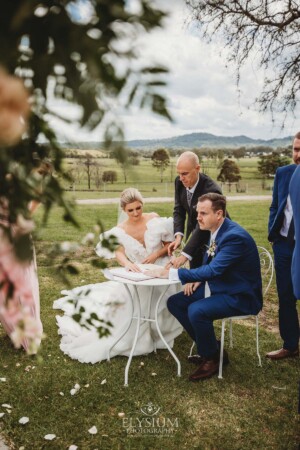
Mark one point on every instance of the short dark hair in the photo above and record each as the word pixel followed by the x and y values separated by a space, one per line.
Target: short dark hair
pixel 218 201
pixel 297 135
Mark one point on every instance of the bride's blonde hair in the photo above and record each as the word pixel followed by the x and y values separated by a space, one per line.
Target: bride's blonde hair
pixel 130 195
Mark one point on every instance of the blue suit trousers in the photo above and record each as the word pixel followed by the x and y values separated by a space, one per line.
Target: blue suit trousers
pixel 197 313
pixel 288 315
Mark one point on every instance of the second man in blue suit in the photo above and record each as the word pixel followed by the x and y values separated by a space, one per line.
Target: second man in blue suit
pixel 282 236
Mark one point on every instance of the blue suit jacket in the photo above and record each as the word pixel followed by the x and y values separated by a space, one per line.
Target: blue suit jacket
pixel 295 199
pixel 280 194
pixel 234 270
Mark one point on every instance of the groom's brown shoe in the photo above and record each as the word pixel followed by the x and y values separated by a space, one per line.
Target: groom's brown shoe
pixel 197 359
pixel 207 369
pixel 282 354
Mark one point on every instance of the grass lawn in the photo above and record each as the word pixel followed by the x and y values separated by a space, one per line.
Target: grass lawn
pixel 251 408
pixel 147 178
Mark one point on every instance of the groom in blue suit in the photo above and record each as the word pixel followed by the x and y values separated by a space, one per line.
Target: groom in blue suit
pixel 282 237
pixel 230 271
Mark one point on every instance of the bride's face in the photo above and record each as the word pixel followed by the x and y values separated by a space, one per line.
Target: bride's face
pixel 134 210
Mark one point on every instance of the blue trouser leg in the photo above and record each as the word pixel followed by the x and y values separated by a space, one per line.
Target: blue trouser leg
pixel 178 305
pixel 196 315
pixel 288 315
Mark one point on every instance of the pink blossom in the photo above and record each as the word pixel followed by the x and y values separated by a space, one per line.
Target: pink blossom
pixel 14 109
pixel 18 311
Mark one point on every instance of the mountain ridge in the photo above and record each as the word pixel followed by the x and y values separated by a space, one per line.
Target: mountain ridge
pixel 192 141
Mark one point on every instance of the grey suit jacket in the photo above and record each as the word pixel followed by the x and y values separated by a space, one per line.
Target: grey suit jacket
pixel 184 214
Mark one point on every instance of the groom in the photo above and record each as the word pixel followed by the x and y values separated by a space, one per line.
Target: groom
pixel 231 271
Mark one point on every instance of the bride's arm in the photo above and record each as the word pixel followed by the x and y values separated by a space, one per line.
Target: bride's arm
pixel 124 261
pixel 157 254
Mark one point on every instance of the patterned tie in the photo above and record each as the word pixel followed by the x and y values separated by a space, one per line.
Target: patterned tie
pixel 189 196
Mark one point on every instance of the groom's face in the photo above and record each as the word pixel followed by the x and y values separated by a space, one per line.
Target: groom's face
pixel 208 219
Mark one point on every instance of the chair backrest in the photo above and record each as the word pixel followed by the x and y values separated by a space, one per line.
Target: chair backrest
pixel 267 268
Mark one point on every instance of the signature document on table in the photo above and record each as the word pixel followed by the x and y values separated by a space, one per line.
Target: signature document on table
pixel 133 276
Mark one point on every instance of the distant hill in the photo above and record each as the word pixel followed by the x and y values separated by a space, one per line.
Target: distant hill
pixel 198 140
pixel 189 141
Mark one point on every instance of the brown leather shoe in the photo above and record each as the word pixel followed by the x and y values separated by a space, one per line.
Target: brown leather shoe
pixel 207 369
pixel 197 359
pixel 282 354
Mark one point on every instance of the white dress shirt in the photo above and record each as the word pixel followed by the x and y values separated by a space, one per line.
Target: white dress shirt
pixel 288 216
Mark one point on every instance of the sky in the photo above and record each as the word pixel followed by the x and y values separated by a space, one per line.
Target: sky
pixel 202 93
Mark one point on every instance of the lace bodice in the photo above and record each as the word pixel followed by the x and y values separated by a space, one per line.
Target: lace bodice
pixel 159 229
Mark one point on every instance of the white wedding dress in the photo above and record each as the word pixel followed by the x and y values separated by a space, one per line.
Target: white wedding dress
pixel 84 345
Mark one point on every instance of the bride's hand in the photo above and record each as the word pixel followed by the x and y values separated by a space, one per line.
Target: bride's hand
pixel 132 267
pixel 150 259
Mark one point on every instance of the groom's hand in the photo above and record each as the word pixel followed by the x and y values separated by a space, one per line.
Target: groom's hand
pixel 158 273
pixel 190 288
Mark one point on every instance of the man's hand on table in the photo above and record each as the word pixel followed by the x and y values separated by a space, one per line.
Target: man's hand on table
pixel 176 262
pixel 158 273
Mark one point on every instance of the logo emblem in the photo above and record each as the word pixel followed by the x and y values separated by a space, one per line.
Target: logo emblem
pixel 150 409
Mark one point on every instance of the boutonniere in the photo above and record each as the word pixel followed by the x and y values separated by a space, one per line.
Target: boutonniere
pixel 211 250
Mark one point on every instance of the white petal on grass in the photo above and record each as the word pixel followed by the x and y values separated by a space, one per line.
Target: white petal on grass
pixel 121 414
pixel 49 437
pixel 73 447
pixel 153 374
pixel 103 381
pixel 73 391
pixel 3 379
pixel 93 430
pixel 24 420
pixel 2 414
pixel 6 405
pixel 62 394
pixel 77 386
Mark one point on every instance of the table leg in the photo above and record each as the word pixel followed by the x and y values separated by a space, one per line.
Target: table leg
pixel 130 322
pixel 161 335
pixel 138 318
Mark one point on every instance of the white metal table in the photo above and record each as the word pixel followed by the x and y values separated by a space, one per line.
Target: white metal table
pixel 136 305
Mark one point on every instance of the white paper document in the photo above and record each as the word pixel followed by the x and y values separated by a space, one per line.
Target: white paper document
pixel 133 276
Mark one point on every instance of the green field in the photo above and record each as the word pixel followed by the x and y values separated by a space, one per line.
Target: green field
pixel 251 408
pixel 147 178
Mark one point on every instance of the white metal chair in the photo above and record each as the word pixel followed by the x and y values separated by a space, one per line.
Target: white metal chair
pixel 267 269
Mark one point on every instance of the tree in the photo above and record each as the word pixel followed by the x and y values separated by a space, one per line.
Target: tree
pixel 230 172
pixel 161 160
pixel 268 164
pixel 239 152
pixel 57 53
pixel 268 31
pixel 88 163
pixel 109 176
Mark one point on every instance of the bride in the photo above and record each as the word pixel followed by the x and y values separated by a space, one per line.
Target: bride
pixel 143 238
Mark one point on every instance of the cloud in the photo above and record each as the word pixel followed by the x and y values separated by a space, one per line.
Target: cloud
pixel 202 93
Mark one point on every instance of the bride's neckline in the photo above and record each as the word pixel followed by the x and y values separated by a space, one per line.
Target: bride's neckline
pixel 139 242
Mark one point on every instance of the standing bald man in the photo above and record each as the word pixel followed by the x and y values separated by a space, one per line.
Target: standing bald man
pixel 189 186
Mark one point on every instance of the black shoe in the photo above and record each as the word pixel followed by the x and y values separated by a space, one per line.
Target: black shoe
pixel 198 360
